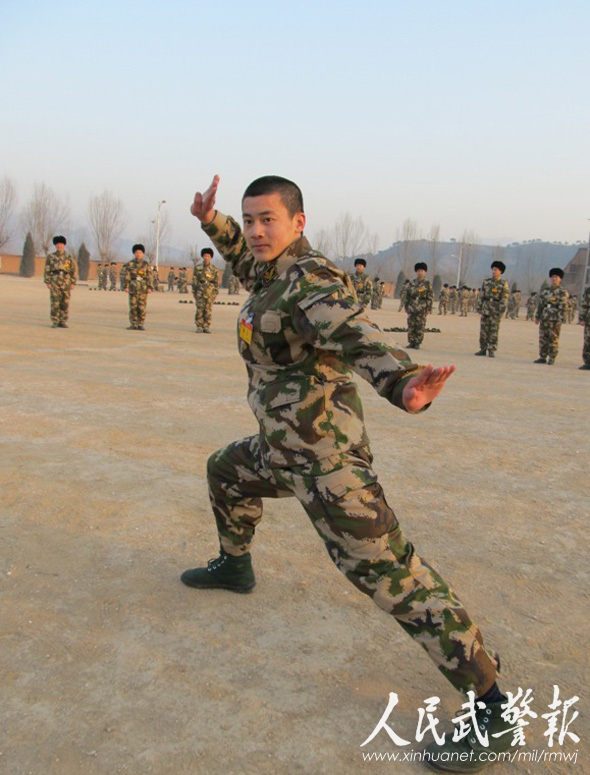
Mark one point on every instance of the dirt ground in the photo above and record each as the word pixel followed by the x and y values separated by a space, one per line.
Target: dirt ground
pixel 110 665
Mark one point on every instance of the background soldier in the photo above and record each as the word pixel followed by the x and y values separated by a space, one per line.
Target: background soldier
pixel 102 277
pixel 531 306
pixel 205 289
pixel 463 301
pixel 361 282
pixel 113 276
pixel 122 274
pixel 155 278
pixel 60 277
pixel 419 298
pixel 550 315
pixel 138 283
pixel 377 295
pixel 402 295
pixel 234 286
pixel 491 305
pixel 443 299
pixel 584 318
pixel 453 299
pixel 182 280
pixel 171 279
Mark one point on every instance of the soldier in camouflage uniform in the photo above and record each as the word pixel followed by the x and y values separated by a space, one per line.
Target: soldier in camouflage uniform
pixel 102 277
pixel 377 295
pixel 234 286
pixel 205 289
pixel 361 282
pixel 584 318
pixel 531 306
pixel 301 332
pixel 155 279
pixel 453 299
pixel 182 280
pixel 549 316
pixel 171 279
pixel 463 301
pixel 419 297
pixel 113 276
pixel 122 280
pixel 491 305
pixel 443 299
pixel 59 275
pixel 138 283
pixel 402 295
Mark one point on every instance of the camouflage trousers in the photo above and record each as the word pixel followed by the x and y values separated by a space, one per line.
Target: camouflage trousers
pixel 488 332
pixel 549 331
pixel 348 509
pixel 137 307
pixel 442 308
pixel 60 303
pixel 204 304
pixel 416 326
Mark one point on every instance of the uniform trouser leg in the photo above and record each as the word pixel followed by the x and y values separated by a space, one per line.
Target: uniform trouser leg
pixel 348 509
pixel 416 326
pixel 586 345
pixel 60 302
pixel 489 332
pixel 549 339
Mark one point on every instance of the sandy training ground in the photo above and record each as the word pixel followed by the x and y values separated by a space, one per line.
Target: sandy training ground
pixel 110 665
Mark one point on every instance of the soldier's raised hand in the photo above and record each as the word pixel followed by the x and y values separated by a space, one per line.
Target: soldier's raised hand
pixel 425 387
pixel 203 204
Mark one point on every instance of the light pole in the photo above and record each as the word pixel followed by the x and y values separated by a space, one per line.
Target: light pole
pixel 163 202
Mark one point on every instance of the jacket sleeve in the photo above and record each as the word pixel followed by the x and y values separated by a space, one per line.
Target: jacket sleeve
pixel 329 318
pixel 226 235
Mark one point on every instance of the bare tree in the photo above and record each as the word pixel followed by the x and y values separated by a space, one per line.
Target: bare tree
pixel 323 242
pixel 468 250
pixel 165 235
pixel 409 234
pixel 45 215
pixel 349 236
pixel 434 246
pixel 107 218
pixel 7 204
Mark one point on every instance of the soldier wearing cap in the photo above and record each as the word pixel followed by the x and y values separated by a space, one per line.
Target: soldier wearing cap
pixel 138 283
pixel 361 282
pixel 418 304
pixel 550 315
pixel 60 277
pixel 443 299
pixel 205 286
pixel 491 305
pixel 171 279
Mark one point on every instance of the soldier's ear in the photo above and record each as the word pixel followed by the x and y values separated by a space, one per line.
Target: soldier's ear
pixel 299 222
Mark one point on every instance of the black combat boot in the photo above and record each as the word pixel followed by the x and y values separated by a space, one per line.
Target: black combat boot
pixel 541 360
pixel 492 353
pixel 469 754
pixel 480 352
pixel 224 572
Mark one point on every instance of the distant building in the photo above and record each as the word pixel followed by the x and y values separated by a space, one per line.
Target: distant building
pixel 577 273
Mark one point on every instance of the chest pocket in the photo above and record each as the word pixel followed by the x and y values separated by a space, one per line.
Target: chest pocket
pixel 270 322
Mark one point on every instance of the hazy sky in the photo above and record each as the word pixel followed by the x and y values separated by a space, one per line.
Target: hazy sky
pixel 471 114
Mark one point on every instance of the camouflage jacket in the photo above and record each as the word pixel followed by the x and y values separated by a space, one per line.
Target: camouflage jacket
pixel 551 305
pixel 205 280
pixel 138 276
pixel 60 270
pixel 531 305
pixel 301 332
pixel 444 295
pixel 584 314
pixel 419 297
pixel 363 287
pixel 493 297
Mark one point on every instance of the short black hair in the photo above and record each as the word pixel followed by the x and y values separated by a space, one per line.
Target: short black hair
pixel 289 192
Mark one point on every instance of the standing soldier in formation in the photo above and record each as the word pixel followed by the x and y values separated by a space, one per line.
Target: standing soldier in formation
pixel 550 315
pixel 138 283
pixel 584 318
pixel 402 295
pixel 531 306
pixel 205 289
pixel 419 299
pixel 377 295
pixel 443 299
pixel 571 309
pixel 233 286
pixel 171 279
pixel 453 299
pixel 301 333
pixel 361 282
pixel 463 301
pixel 491 305
pixel 113 276
pixel 102 277
pixel 122 274
pixel 182 280
pixel 155 278
pixel 60 277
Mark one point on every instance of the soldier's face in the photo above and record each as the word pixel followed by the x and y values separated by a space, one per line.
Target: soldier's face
pixel 360 268
pixel 60 247
pixel 555 280
pixel 268 227
pixel 206 259
pixel 496 273
pixel 138 254
pixel 420 274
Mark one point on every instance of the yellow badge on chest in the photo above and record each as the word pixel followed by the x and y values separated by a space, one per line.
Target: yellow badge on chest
pixel 246 329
